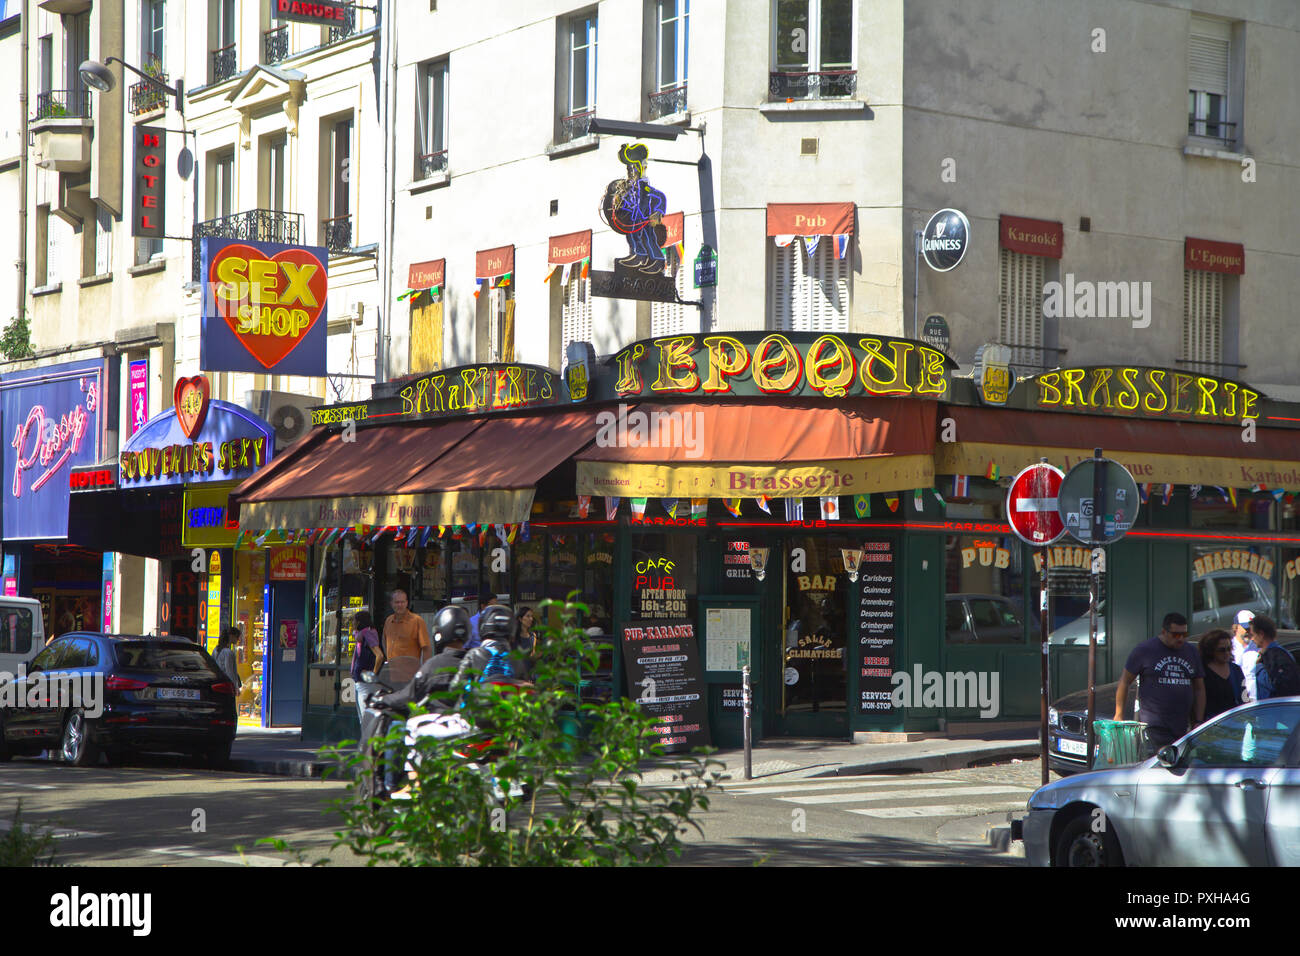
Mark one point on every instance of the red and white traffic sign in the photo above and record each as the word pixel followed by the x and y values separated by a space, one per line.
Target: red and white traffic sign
pixel 1031 505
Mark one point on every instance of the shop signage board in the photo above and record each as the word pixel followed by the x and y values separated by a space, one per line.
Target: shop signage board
pixel 1032 237
pixel 945 239
pixel 322 14
pixel 52 423
pixel 662 663
pixel 1206 255
pixel 206 520
pixel 265 307
pixel 1032 505
pixel 426 275
pixel 1136 391
pixel 706 268
pixel 199 440
pixel 935 332
pixel 635 209
pixel 1118 505
pixel 86 478
pixel 150 167
pixel 138 376
pixel 877 623
pixel 289 564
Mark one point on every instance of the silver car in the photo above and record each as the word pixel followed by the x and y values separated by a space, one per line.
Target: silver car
pixel 1226 794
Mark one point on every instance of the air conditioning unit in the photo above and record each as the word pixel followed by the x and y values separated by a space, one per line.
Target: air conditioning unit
pixel 289 414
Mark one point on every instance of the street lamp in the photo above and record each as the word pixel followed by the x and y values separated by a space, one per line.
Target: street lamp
pixel 635 130
pixel 99 77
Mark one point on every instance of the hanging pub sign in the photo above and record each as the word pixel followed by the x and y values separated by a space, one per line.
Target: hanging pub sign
pixel 1134 391
pixel 945 239
pixel 993 375
pixel 264 307
pixel 321 14
pixel 198 440
pixel 580 362
pixel 634 208
pixel 149 165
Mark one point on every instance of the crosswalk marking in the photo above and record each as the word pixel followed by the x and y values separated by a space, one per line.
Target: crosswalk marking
pixel 60 833
pixel 234 859
pixel 868 796
pixel 750 789
pixel 936 810
pixel 28 786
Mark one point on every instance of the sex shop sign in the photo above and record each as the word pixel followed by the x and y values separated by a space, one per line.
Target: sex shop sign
pixel 52 423
pixel 198 440
pixel 265 307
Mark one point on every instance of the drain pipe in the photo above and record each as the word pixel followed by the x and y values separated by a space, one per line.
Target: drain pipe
pixel 384 324
pixel 21 264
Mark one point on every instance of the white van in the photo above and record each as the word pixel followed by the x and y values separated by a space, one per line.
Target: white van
pixel 22 632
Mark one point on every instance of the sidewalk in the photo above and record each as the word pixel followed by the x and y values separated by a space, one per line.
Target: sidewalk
pixel 282 753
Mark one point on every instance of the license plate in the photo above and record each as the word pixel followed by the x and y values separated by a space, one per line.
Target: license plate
pixel 175 693
pixel 1078 748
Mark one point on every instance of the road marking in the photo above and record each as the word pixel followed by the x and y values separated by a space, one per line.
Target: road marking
pixel 937 810
pixel 60 833
pixel 867 796
pixel 29 786
pixel 234 859
pixel 750 788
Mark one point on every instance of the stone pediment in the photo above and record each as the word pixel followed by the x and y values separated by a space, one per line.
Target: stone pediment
pixel 264 89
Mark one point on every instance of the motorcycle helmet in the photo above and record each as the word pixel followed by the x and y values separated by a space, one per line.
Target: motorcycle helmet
pixel 450 624
pixel 496 623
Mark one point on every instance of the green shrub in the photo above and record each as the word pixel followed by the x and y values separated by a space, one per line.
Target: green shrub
pixel 20 846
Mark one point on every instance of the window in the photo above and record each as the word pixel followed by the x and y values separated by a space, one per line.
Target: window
pixel 431 116
pixel 76 47
pixel 810 290
pixel 15 630
pixel 221 184
pixel 1255 738
pixel 1020 307
pixel 1209 55
pixel 45 55
pixel 336 224
pixel 152 22
pixel 501 324
pixel 1227 579
pixel 271 187
pixel 672 36
pixel 104 242
pixel 222 26
pixel 41 271
pixel 426 332
pixel 578 70
pixel 1203 320
pixel 812 49
pixel 575 325
pixel 985 584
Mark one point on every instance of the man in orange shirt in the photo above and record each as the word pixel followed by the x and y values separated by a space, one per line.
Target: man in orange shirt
pixel 405 634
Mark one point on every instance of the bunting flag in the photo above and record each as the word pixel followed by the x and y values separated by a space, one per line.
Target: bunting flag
pixel 261 537
pixel 526 531
pixel 480 286
pixel 993 472
pixel 584 505
pixel 504 280
pixel 916 500
pixel 699 508
pixel 611 509
pixel 360 530
pixel 830 507
pixel 961 486
pixel 1166 494
pixel 482 536
pixel 1259 487
pixel 782 241
pixel 763 503
pixel 810 243
pixel 1195 492
pixel 428 533
pixel 239 540
pixel 500 531
pixel 862 506
pixel 550 272
pixel 413 534
pixel 793 509
pixel 290 535
pixel 732 505
pixel 566 272
pixel 638 508
pixel 1232 498
pixel 1278 494
pixel 512 531
pixel 1144 492
pixel 471 527
pixel 670 506
pixel 379 533
pixel 841 245
pixel 892 501
pixel 938 496
pixel 586 267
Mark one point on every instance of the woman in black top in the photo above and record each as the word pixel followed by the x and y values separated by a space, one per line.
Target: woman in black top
pixel 1223 679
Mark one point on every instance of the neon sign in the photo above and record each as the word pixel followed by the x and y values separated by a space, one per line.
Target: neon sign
pixel 1131 391
pixel 38 439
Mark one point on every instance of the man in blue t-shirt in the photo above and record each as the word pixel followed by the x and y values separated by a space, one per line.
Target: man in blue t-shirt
pixel 1172 682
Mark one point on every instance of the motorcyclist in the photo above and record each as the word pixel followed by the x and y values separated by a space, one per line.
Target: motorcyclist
pixel 450 632
pixel 493 657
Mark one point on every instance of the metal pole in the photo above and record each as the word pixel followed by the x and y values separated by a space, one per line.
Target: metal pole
pixel 1097 535
pixel 747 698
pixel 916 280
pixel 1045 672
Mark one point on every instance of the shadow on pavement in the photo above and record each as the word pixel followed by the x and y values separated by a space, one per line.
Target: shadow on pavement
pixel 864 851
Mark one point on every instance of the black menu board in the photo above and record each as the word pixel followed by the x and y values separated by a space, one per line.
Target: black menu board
pixel 877 595
pixel 663 675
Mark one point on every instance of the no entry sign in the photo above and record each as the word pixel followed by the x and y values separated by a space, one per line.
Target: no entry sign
pixel 1032 507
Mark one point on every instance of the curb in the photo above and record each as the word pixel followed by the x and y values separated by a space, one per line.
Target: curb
pixel 930 763
pixel 301 769
pixel 1000 840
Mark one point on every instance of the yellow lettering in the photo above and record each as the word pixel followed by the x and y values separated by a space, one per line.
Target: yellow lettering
pixel 1181 384
pixel 232 283
pixel 629 376
pixel 932 380
pixel 296 287
pixel 786 359
pixel 1047 382
pixel 674 354
pixel 1100 380
pixel 1159 390
pixel 840 358
pixel 1128 376
pixel 1073 377
pixel 897 385
pixel 261 276
pixel 1248 399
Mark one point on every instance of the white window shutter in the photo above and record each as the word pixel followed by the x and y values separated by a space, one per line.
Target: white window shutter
pixel 670 318
pixel 1020 298
pixel 575 320
pixel 1208 49
pixel 810 293
pixel 1202 317
pixel 785 309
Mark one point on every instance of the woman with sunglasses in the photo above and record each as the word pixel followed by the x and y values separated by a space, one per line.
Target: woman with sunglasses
pixel 1224 680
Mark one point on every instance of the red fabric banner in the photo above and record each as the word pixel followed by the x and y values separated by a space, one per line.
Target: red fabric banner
pixel 492 263
pixel 571 247
pixel 1033 237
pixel 427 275
pixel 1206 255
pixel 810 219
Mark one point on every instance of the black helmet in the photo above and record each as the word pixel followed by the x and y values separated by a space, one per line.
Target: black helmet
pixel 450 624
pixel 496 622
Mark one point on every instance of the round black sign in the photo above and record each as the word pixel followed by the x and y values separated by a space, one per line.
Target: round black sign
pixel 944 241
pixel 935 332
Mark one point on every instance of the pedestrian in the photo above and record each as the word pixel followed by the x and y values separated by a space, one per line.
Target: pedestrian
pixel 1244 652
pixel 485 600
pixel 367 654
pixel 1171 683
pixel 405 634
pixel 1224 680
pixel 1276 673
pixel 526 640
pixel 225 656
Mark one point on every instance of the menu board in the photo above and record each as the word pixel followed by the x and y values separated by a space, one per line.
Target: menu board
pixel 663 676
pixel 877 596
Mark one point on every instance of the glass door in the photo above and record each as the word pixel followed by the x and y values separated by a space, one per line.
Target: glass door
pixel 813 699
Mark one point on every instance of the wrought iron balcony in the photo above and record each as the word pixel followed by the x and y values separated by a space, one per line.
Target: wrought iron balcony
pixel 667 102
pixel 1221 130
pixel 63 104
pixel 336 235
pixel 147 97
pixel 259 225
pixel 275 44
pixel 429 163
pixel 576 126
pixel 828 84
pixel 223 63
pixel 348 28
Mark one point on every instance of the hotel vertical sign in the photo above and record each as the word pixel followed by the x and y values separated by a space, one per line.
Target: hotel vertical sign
pixel 149 165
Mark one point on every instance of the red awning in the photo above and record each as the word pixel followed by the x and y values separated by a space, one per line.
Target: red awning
pixel 492 263
pixel 569 248
pixel 810 219
pixel 426 275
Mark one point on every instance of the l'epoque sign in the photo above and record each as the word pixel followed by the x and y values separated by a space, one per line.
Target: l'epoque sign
pixel 1139 392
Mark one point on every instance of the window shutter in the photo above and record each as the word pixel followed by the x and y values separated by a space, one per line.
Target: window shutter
pixel 1202 317
pixel 669 318
pixel 1020 296
pixel 1208 49
pixel 575 319
pixel 783 291
pixel 810 293
pixel 103 243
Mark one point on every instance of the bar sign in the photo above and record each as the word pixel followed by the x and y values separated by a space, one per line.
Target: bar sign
pixel 150 182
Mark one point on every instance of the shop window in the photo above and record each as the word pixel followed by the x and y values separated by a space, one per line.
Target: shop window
pixel 809 291
pixel 665 581
pixel 816 626
pixel 530 570
pixel 598 580
pixel 464 568
pixel 250 579
pixel 496 566
pixel 1069 576
pixel 433 572
pixel 1229 579
pixel 562 569
pixel 16 632
pixel 1288 607
pixel 985 581
pixel 1211 507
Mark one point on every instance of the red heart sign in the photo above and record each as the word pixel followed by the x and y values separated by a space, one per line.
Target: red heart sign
pixel 269 303
pixel 191 397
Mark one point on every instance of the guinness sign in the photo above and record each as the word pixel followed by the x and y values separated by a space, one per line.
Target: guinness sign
pixel 944 241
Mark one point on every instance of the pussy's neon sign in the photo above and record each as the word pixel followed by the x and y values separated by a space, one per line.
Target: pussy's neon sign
pixel 48 443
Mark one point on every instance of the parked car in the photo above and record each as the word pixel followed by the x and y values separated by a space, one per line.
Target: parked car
pixel 1227 794
pixel 134 694
pixel 982 619
pixel 1067 728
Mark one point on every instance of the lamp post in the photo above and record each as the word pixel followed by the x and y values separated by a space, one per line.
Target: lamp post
pixel 99 77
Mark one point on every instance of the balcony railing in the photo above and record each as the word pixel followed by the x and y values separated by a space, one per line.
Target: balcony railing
pixel 223 63
pixel 349 27
pixel 428 164
pixel 828 84
pixel 1221 130
pixel 259 225
pixel 275 44
pixel 576 126
pixel 336 235
pixel 147 97
pixel 668 102
pixel 63 104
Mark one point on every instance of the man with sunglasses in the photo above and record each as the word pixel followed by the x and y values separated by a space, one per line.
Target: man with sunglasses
pixel 1172 683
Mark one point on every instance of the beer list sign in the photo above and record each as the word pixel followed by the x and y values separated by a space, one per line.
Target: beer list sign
pixel 877 595
pixel 663 675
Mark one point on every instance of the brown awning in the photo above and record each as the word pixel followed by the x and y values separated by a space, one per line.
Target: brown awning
pixel 809 219
pixel 743 450
pixel 1181 453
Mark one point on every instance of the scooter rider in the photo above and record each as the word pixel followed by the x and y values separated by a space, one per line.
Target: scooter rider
pixel 492 657
pixel 450 632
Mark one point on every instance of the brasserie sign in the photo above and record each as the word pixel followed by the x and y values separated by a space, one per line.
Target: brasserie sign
pixel 1139 392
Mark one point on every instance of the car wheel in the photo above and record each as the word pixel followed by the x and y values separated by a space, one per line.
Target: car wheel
pixel 76 748
pixel 1080 845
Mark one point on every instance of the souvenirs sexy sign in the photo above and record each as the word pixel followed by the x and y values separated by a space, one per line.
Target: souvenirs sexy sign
pixel 264 307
